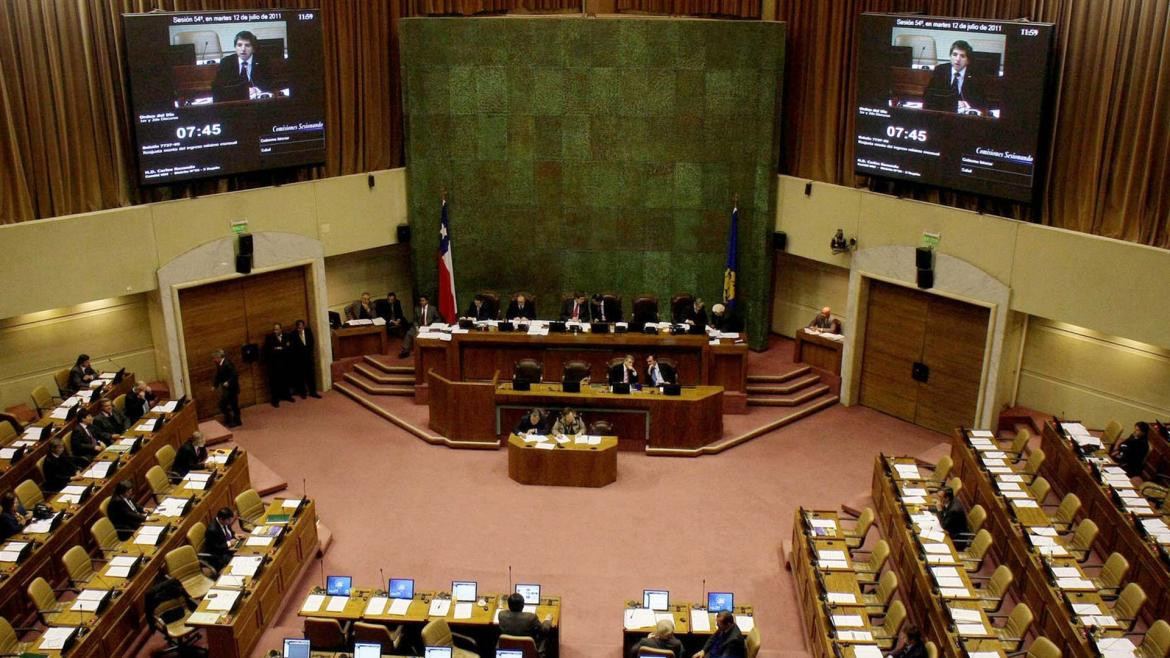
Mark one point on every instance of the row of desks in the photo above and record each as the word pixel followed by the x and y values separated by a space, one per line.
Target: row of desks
pixel 115 628
pixel 1046 577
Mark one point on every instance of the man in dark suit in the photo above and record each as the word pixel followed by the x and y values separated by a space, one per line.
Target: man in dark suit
pixel 912 645
pixel 192 454
pixel 140 400
pixel 726 642
pixel 658 374
pixel 123 512
pixel 424 316
pixel 953 518
pixel 577 309
pixel 724 320
pixel 390 310
pixel 514 621
pixel 605 310
pixel 479 309
pixel 954 87
pixel 624 373
pixel 277 352
pixel 80 375
pixel 302 367
pixel 59 467
pixel 108 425
pixel 662 638
pixel 219 540
pixel 83 442
pixel 227 382
pixel 694 315
pixel 240 76
pixel 362 309
pixel 521 308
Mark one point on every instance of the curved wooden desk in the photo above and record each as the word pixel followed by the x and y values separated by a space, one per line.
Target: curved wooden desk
pixel 569 464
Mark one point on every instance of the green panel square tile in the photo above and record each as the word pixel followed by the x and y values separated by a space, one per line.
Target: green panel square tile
pixel 574 44
pixel 576 90
pixel 548 92
pixel 547 43
pixel 688 185
pixel 685 226
pixel 575 228
pixel 492 137
pixel 431 40
pixel 601 43
pixel 632 90
pixel 689 139
pixel 657 266
pixel 719 92
pixel 519 90
pixel 685 276
pixel 519 43
pixel 575 137
pixel 658 186
pixel 716 185
pixel 520 187
pixel 711 237
pixel 722 41
pixel 521 137
pixel 609 232
pixel 434 137
pixel 548 138
pixel 664 142
pixel 491 89
pixel 632 47
pixel 604 91
pixel 634 145
pixel 464 137
pixel 461 89
pixel 433 90
pixel 605 133
pixel 547 184
pixel 659 99
pixel 574 185
pixel 657 231
pixel 661 40
pixel 691 49
pixel 631 193
pixel 605 181
pixel 469 45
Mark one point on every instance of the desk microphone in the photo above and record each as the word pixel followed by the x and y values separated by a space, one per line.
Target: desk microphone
pixel 509 579
pixel 321 561
pixel 703 593
pixel 383 577
pixel 203 55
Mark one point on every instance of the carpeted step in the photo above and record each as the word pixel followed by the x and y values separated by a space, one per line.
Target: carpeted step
pixel 791 416
pixel 805 395
pixel 214 432
pixel 786 388
pixel 391 365
pixel 263 479
pixel 799 371
pixel 378 376
pixel 375 388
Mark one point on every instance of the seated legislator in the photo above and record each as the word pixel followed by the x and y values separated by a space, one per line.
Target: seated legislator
pixel 479 310
pixel 569 424
pixel 727 640
pixel 602 309
pixel 13 518
pixel 1131 453
pixel 108 425
pixel 83 442
pixel 80 375
pixel 521 308
pixel 138 402
pixel 534 422
pixel 59 467
pixel 662 639
pixel 424 316
pixel 658 374
pixel 953 517
pixel 361 309
pixel 724 320
pixel 694 315
pixel 912 644
pixel 192 454
pixel 576 309
pixel 241 76
pixel 824 322
pixel 954 86
pixel 124 513
pixel 219 541
pixel 624 373
pixel 390 310
pixel 514 621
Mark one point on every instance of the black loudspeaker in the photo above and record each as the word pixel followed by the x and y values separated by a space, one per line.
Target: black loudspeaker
pixel 924 258
pixel 250 353
pixel 404 233
pixel 245 248
pixel 244 263
pixel 370 180
pixel 779 240
pixel 925 279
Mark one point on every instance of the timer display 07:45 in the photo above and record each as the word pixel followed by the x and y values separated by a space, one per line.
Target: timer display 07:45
pixel 898 132
pixel 206 130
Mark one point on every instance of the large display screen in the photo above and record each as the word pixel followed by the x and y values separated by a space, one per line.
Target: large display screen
pixel 952 102
pixel 218 93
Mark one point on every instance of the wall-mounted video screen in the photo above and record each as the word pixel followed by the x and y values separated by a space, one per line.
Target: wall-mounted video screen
pixel 219 93
pixel 950 102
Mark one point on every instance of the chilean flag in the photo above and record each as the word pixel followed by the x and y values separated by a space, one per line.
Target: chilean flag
pixel 447 303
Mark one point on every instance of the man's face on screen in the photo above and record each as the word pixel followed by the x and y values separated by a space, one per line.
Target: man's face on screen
pixel 244 49
pixel 958 58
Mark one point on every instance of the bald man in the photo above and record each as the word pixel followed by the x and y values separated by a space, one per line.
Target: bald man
pixel 824 322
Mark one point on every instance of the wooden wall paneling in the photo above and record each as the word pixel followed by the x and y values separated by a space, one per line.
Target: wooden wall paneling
pixel 212 316
pixel 956 339
pixel 278 296
pixel 894 334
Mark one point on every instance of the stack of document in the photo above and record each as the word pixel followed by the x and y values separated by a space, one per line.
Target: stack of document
pixel 148 535
pixel 439 607
pixel 1157 529
pixel 99 470
pixel 172 507
pixel 376 606
pixel 827 559
pixel 1091 614
pixel 245 565
pixel 1116 647
pixel 221 600
pixel 89 600
pixel 72 494
pixel 12 551
pixel 822 527
pixel 56 638
pixel 313 603
pixel 42 526
pixel 337 603
pixel 866 651
pixel 166 407
pixel 636 618
pixel 147 425
pixel 399 607
pixel 907 471
pixel 196 480
pixel 120 566
pixel 228 581
pixel 847 621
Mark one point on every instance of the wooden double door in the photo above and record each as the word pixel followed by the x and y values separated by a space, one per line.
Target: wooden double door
pixel 230 314
pixel 922 359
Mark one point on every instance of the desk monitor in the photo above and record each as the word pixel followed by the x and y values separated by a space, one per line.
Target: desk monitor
pixel 509 653
pixel 367 650
pixel 720 601
pixel 599 327
pixel 338 585
pixel 531 593
pixel 463 590
pixel 296 648
pixel 655 599
pixel 437 652
pixel 400 588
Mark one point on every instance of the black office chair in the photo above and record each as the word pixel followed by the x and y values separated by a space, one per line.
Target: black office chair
pixel 575 371
pixel 678 306
pixel 529 370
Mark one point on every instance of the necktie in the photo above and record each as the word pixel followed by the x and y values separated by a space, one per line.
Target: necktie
pixel 955 83
pixel 602 305
pixel 576 311
pixel 302 335
pixel 243 71
pixel 424 314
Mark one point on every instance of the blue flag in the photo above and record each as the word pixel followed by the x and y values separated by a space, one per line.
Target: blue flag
pixel 729 270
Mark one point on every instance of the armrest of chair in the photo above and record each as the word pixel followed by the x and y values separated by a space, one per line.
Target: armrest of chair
pixel 978 578
pixel 850 511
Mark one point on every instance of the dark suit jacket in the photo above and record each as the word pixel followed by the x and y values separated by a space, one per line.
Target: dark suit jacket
pixel 697 318
pixel 227 85
pixel 125 519
pixel 940 97
pixel 77 378
pixel 522 623
pixel 673 644
pixel 137 407
pixel 1132 455
pixel 389 312
pixel 58 470
pixel 916 650
pixel 613 310
pixel 433 315
pixel 514 310
pixel 525 424
pixel 726 322
pixel 733 646
pixel 188 458
pixel 954 521
pixel 356 311
pixel 106 426
pixel 226 377
pixel 616 377
pixel 665 372
pixel 584 315
pixel 215 543
pixel 10 525
pixel 82 443
pixel 299 350
pixel 481 313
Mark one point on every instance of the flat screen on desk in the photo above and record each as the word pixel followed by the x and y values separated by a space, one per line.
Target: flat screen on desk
pixel 437 652
pixel 655 599
pixel 463 590
pixel 367 650
pixel 509 653
pixel 720 601
pixel 400 588
pixel 296 648
pixel 531 594
pixel 978 134
pixel 197 115
pixel 338 585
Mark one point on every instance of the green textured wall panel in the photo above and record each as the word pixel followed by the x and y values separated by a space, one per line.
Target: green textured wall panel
pixel 594 154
